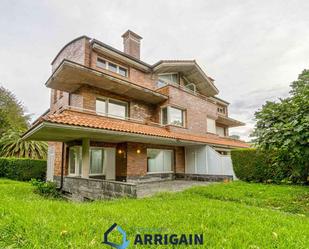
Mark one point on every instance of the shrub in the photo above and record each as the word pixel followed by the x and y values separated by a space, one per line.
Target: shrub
pixel 260 166
pixel 22 169
pixel 47 189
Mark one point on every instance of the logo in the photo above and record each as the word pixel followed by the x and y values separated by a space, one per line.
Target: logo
pixel 152 236
pixel 125 242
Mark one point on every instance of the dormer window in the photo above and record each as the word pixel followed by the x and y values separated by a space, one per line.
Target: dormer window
pixel 169 78
pixel 110 66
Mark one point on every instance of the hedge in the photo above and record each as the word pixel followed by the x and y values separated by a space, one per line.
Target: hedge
pixel 258 166
pixel 22 169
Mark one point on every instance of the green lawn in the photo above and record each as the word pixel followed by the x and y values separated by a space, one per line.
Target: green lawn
pixel 231 215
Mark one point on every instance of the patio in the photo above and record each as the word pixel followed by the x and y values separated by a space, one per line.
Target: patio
pixel 148 189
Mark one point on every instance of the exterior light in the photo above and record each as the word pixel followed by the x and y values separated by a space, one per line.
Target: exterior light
pixel 119 151
pixel 138 151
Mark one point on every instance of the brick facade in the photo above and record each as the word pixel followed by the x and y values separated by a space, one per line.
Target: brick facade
pixel 129 163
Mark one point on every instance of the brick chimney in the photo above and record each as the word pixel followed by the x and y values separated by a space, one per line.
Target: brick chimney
pixel 132 44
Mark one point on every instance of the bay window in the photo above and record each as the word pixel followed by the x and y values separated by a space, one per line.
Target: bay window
pixel 112 108
pixel 172 115
pixel 159 161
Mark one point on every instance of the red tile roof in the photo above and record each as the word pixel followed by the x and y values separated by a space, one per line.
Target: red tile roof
pixel 82 119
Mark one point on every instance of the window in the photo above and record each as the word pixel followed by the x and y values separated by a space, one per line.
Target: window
pixel 96 161
pixel 220 131
pixel 100 106
pixel 170 77
pixel 101 63
pixel 172 115
pixel 117 108
pixel 112 108
pixel 221 110
pixel 211 125
pixel 159 160
pixel 123 71
pixel 75 160
pixel 112 67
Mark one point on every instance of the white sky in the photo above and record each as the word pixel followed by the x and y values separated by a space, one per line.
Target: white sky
pixel 253 49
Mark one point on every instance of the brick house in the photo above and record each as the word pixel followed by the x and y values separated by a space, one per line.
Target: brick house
pixel 115 119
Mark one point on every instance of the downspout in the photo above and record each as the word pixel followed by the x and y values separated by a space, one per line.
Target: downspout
pixel 62 167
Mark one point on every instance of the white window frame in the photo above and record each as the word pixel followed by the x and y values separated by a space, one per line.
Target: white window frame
pixel 76 165
pixel 168 81
pixel 162 172
pixel 221 109
pixel 76 174
pixel 117 65
pixel 106 100
pixel 214 131
pixel 169 118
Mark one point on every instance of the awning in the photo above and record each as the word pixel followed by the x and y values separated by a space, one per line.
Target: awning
pixel 69 76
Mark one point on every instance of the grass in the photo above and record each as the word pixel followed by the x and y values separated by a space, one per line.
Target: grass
pixel 231 215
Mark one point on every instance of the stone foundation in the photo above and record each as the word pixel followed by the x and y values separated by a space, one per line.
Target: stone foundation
pixel 82 189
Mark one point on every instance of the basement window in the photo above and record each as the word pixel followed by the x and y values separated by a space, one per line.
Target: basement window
pixel 105 64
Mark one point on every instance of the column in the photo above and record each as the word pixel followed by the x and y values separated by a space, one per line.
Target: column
pixel 85 157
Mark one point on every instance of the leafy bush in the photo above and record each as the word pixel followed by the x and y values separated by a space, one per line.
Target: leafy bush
pixel 261 166
pixel 283 126
pixel 22 169
pixel 48 189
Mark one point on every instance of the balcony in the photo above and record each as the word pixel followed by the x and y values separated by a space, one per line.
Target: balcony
pixel 229 122
pixel 69 76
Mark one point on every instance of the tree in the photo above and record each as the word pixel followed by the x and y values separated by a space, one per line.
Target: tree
pixel 12 113
pixel 13 122
pixel 12 145
pixel 283 127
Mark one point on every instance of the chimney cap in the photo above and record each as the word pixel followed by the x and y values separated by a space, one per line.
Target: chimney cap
pixel 129 32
